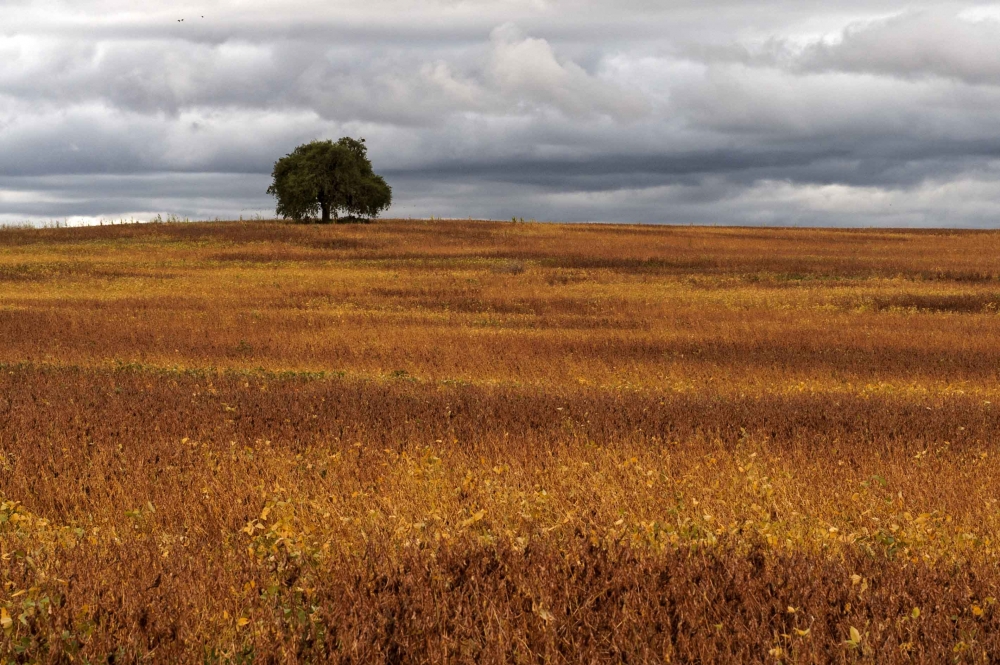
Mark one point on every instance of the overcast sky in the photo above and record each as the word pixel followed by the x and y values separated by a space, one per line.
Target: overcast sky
pixel 735 112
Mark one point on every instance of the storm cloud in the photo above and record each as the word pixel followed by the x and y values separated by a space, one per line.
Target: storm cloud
pixel 731 112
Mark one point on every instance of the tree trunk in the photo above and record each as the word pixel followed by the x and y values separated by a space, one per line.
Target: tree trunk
pixel 325 207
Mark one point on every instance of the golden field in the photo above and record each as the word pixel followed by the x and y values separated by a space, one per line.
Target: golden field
pixel 493 442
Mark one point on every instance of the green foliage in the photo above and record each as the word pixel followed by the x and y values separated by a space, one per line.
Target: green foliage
pixel 325 178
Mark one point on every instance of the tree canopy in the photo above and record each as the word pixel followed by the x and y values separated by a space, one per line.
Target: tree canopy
pixel 328 178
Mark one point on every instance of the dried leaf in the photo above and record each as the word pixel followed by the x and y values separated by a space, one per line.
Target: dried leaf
pixel 472 520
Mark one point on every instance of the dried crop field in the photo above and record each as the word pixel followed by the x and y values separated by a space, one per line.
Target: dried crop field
pixel 493 442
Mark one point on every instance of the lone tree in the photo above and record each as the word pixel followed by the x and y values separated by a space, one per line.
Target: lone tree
pixel 326 178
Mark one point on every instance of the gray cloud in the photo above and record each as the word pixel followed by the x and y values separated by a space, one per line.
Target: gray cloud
pixel 914 45
pixel 733 112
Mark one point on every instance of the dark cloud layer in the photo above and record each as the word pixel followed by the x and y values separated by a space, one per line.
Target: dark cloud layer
pixel 778 112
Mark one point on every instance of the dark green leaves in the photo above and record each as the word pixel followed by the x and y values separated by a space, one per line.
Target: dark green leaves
pixel 326 178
